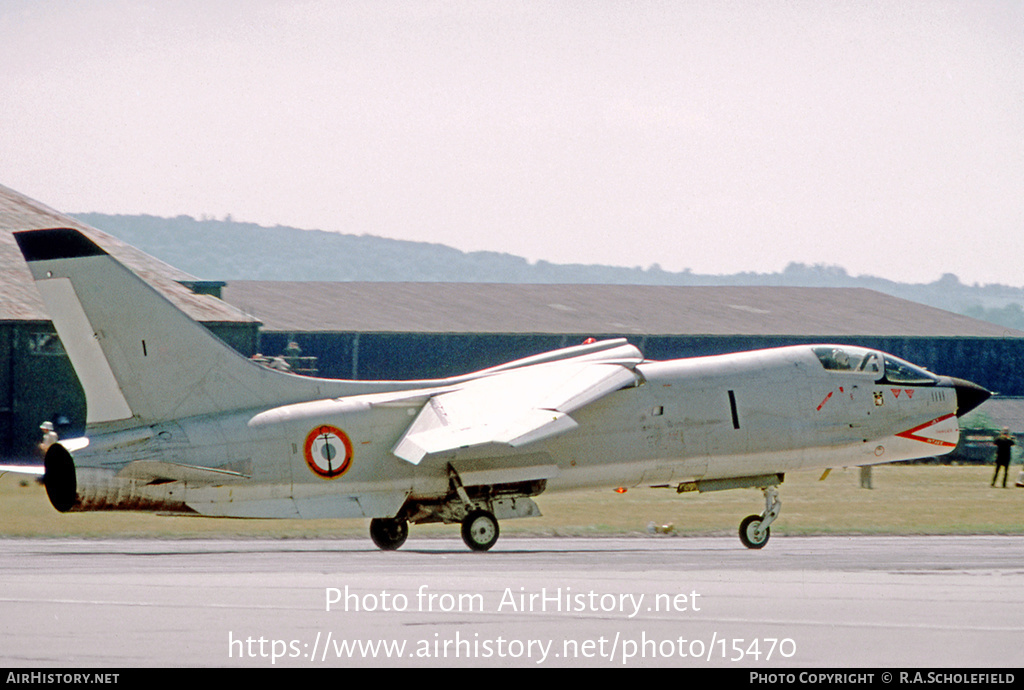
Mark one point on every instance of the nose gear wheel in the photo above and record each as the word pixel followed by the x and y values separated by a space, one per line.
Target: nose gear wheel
pixel 755 529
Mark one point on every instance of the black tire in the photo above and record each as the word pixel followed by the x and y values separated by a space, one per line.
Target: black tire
pixel 60 479
pixel 389 533
pixel 748 534
pixel 480 530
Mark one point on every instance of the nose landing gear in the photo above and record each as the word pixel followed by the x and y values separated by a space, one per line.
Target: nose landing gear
pixel 755 529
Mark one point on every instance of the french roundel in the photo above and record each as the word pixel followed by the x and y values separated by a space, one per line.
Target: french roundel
pixel 328 451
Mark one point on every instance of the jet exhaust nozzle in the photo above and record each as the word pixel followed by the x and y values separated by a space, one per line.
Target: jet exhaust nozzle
pixel 60 478
pixel 73 489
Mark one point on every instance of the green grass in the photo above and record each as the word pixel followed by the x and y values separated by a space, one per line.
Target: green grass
pixel 905 500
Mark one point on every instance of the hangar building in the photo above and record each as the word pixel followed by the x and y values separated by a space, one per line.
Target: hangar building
pixel 428 330
pixel 37 382
pixel 420 330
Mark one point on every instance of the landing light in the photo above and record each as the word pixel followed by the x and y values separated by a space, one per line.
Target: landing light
pixel 620 490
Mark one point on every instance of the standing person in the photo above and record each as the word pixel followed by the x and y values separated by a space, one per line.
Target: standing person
pixel 1004 442
pixel 49 437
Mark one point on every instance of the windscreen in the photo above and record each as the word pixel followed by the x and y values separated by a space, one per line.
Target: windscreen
pixel 905 373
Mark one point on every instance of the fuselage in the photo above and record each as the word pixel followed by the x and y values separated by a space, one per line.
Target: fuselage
pixel 738 415
pixel 177 421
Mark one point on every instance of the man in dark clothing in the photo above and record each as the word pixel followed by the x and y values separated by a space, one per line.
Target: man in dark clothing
pixel 1004 442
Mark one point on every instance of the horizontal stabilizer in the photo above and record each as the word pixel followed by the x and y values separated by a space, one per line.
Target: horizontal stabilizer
pixel 36 470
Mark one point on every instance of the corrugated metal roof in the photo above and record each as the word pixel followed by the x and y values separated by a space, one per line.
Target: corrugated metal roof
pixel 596 309
pixel 495 308
pixel 19 299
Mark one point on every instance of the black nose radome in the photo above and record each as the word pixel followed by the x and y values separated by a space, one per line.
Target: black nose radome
pixel 968 396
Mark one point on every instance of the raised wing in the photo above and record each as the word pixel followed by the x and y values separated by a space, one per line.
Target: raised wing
pixel 515 408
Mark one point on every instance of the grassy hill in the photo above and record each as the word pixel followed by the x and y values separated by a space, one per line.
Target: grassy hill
pixel 228 250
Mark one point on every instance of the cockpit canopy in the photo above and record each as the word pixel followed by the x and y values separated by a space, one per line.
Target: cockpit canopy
pixel 882 367
pixel 849 359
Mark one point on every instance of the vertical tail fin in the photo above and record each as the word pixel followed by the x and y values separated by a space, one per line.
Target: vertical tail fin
pixel 139 358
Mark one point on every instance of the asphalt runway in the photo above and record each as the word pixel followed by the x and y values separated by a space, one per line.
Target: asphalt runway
pixel 822 602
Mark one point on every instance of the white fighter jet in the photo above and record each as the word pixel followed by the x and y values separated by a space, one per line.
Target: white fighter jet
pixel 178 422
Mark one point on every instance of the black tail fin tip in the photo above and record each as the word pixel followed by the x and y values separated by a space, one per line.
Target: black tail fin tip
pixel 55 243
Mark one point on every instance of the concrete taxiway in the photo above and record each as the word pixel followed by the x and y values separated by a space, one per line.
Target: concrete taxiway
pixel 641 601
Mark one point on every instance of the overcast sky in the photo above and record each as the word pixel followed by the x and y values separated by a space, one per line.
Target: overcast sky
pixel 884 137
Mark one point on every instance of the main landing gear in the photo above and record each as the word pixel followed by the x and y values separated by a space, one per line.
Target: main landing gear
pixel 755 529
pixel 476 508
pixel 479 531
pixel 389 533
